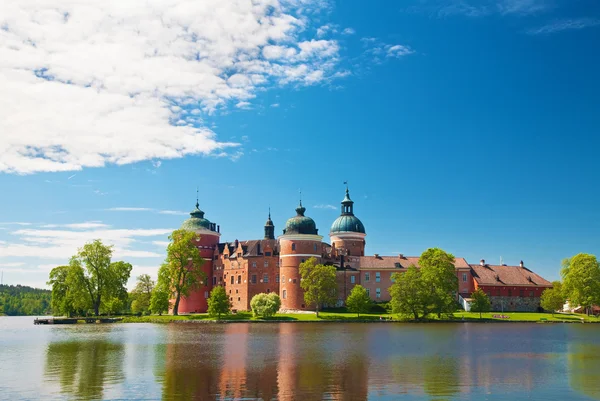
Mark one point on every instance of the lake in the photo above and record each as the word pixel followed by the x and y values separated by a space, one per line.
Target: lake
pixel 299 361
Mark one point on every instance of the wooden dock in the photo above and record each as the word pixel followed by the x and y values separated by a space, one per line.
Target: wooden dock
pixel 75 320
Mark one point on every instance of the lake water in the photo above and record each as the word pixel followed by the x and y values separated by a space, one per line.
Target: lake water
pixel 299 361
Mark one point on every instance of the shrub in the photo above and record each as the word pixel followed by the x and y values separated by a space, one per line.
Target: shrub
pixel 265 305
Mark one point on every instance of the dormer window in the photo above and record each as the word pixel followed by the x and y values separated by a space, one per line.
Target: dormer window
pixel 267 253
pixel 398 265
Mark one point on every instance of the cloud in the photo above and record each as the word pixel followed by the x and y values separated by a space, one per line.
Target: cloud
pixel 63 243
pixel 244 105
pixel 275 105
pixel 483 8
pixel 331 207
pixel 112 82
pixel 348 31
pixel 12 264
pixel 156 164
pixel 71 176
pixel 378 51
pixel 162 244
pixel 564 25
pixel 173 212
pixel 15 223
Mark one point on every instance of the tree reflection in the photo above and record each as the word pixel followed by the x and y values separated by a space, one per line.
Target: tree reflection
pixel 584 365
pixel 437 375
pixel 82 368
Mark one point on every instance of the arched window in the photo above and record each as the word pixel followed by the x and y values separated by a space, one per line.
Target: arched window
pixel 232 278
pixel 284 293
pixel 293 247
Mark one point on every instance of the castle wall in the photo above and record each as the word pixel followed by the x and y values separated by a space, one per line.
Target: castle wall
pixel 294 250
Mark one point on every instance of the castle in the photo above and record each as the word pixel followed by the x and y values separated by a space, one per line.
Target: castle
pixel 247 268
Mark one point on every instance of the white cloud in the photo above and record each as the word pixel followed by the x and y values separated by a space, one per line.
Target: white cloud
pixel 12 264
pixel 483 8
pixel 156 164
pixel 275 105
pixel 379 51
pixel 331 207
pixel 15 223
pixel 63 243
pixel 564 25
pixel 348 31
pixel 109 80
pixel 398 51
pixel 173 212
pixel 243 105
pixel 83 226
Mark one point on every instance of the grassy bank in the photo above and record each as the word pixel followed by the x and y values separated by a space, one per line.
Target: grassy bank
pixel 352 317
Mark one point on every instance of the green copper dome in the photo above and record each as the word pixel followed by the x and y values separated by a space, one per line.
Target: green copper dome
pixel 347 222
pixel 300 224
pixel 197 221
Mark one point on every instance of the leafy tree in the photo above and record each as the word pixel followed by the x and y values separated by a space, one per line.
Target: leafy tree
pixel 218 302
pixel 141 294
pixel 90 280
pixel 410 294
pixel 18 300
pixel 439 273
pixel 159 300
pixel 318 282
pixel 182 270
pixel 265 305
pixel 358 301
pixel 481 302
pixel 581 280
pixel 552 299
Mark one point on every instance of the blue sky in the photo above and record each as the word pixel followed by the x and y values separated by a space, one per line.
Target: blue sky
pixel 470 126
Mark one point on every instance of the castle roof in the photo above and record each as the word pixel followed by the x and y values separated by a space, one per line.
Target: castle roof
pixel 347 222
pixel 250 247
pixel 498 275
pixel 300 224
pixel 399 262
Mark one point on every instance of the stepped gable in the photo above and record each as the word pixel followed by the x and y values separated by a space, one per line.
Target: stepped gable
pixel 494 275
pixel 250 247
pixel 390 262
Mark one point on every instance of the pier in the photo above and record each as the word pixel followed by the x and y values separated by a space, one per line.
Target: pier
pixel 75 320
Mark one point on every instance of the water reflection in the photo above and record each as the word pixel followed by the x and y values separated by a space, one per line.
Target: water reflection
pixel 584 368
pixel 83 367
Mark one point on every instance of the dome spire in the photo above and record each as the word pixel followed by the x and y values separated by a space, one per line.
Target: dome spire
pixel 269 227
pixel 347 203
pixel 197 204
pixel 300 209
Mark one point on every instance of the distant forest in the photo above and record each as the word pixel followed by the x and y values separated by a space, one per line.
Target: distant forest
pixel 17 300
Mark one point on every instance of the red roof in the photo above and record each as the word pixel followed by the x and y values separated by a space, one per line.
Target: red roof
pixel 498 275
pixel 389 262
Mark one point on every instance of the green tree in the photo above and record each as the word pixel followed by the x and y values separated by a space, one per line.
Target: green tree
pixel 410 295
pixel 358 301
pixel 218 302
pixel 159 300
pixel 182 270
pixel 318 282
pixel 481 302
pixel 439 273
pixel 141 293
pixel 581 280
pixel 265 305
pixel 552 300
pixel 90 279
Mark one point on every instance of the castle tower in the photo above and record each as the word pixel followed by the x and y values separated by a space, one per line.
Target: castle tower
pixel 347 232
pixel 300 241
pixel 206 242
pixel 269 228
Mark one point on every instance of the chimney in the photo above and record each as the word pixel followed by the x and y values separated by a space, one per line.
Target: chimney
pixel 377 255
pixel 482 262
pixel 219 229
pixel 236 243
pixel 521 264
pixel 401 256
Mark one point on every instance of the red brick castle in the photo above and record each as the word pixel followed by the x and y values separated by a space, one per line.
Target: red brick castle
pixel 247 268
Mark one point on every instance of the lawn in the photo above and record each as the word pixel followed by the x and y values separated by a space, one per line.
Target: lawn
pixel 346 316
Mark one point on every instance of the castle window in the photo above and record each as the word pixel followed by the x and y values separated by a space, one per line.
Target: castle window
pixel 293 247
pixel 277 278
pixel 377 277
pixel 265 278
pixel 253 264
pixel 302 261
pixel 253 279
pixel 232 278
pixel 284 293
pixel 315 247
pixel 510 293
pixel 368 292
pixel 352 279
pixel 367 277
pixel 205 294
pixel 464 277
pixel 239 298
pixel 215 280
pixel 283 279
pixel 266 263
pixel 377 292
pixel 239 280
pixel 267 253
pixel 239 255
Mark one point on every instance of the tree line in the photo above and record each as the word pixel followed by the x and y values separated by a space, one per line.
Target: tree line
pixel 17 300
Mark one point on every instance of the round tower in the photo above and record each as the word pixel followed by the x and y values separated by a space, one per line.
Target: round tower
pixel 347 232
pixel 300 241
pixel 206 242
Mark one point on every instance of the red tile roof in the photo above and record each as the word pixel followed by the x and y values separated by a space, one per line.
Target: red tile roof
pixel 498 275
pixel 389 262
